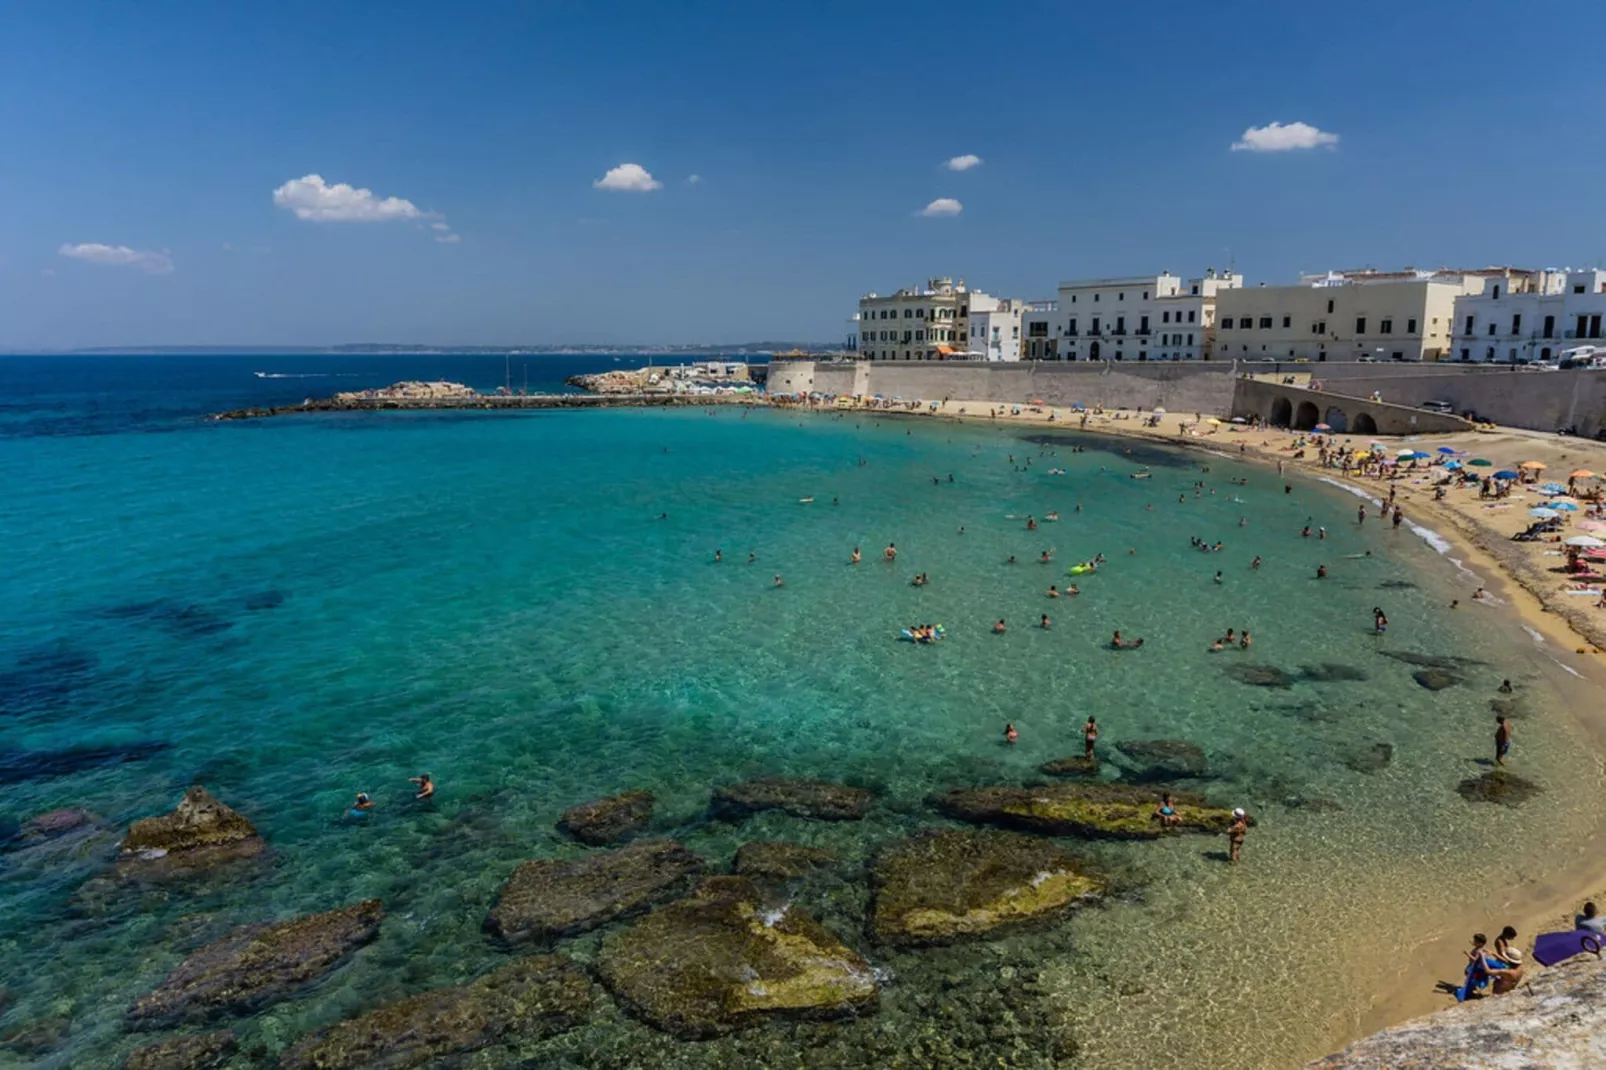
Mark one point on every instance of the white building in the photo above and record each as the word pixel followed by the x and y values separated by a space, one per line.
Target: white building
pixel 1144 317
pixel 1039 325
pixel 1532 319
pixel 930 322
pixel 852 338
pixel 996 334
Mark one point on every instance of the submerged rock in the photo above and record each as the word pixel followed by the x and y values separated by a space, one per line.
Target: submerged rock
pixel 256 965
pixel 818 799
pixel 1370 758
pixel 55 823
pixel 269 599
pixel 1435 679
pixel 196 1051
pixel 1260 675
pixel 1430 661
pixel 1069 767
pixel 1397 585
pixel 1093 811
pixel 39 1037
pixel 1164 759
pixel 548 898
pixel 1498 786
pixel 1331 672
pixel 942 885
pixel 1506 707
pixel 17 765
pixel 722 960
pixel 604 821
pixel 780 861
pixel 528 1000
pixel 199 833
pixel 1314 804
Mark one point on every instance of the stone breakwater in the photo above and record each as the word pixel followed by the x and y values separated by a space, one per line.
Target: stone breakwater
pixel 489 402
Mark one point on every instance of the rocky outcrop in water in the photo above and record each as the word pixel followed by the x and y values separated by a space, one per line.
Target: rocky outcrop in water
pixel 1092 811
pixel 54 824
pixel 199 833
pixel 549 898
pixel 528 1000
pixel 818 799
pixel 1260 676
pixel 764 860
pixel 1435 679
pixel 606 821
pixel 1330 672
pixel 1164 759
pixel 196 1051
pixel 1070 767
pixel 17 765
pixel 256 965
pixel 942 885
pixel 1498 786
pixel 725 959
pixel 1556 1019
pixel 1431 661
pixel 1370 758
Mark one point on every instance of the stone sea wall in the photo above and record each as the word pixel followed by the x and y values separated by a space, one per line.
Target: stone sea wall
pixel 1204 387
pixel 1557 1019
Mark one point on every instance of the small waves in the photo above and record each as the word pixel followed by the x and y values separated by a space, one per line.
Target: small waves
pixel 1427 535
pixel 305 375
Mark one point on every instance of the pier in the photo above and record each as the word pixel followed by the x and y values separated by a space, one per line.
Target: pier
pixel 491 402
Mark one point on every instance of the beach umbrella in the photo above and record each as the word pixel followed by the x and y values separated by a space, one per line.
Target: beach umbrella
pixel 1322 427
pixel 1035 401
pixel 1535 465
pixel 1213 420
pixel 1543 514
pixel 1241 420
pixel 1406 452
pixel 1583 473
pixel 1592 525
pixel 1158 411
pixel 1420 456
pixel 1554 487
pixel 1452 465
pixel 1479 462
pixel 1448 450
pixel 1566 506
pixel 1587 541
pixel 1505 473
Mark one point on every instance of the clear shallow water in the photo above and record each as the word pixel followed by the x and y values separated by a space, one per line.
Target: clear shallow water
pixel 304 608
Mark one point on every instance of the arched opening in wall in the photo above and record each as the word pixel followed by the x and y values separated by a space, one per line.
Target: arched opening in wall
pixel 1364 424
pixel 1093 352
pixel 1544 354
pixel 1282 412
pixel 1337 420
pixel 1306 416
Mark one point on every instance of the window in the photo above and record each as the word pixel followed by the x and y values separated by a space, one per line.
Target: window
pixel 1466 354
pixel 1265 323
pixel 1190 338
pixel 1226 323
pixel 1145 295
pixel 1516 324
pixel 1190 315
pixel 1360 324
pixel 1196 291
pixel 1120 297
pixel 1578 289
pixel 1491 330
pixel 1550 326
pixel 920 336
pixel 1497 293
pixel 1070 328
pixel 1165 317
pixel 1288 321
pixel 1095 297
pixel 1410 326
pixel 1073 299
pixel 1014 332
pixel 1385 327
pixel 1469 326
pixel 1329 307
pixel 908 313
pixel 1321 328
pixel 1095 327
pixel 920 313
pixel 1143 324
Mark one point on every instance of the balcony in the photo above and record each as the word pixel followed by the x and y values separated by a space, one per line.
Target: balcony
pixel 1071 333
pixel 1143 332
pixel 1119 332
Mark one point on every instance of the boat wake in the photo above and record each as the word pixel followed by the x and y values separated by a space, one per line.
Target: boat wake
pixel 304 375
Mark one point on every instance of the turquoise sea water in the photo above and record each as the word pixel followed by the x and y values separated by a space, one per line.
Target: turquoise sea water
pixel 299 609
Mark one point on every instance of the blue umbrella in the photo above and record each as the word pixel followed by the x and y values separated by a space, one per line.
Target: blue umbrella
pixel 1420 456
pixel 1569 506
pixel 1452 465
pixel 1448 449
pixel 1554 488
pixel 1505 473
pixel 1543 514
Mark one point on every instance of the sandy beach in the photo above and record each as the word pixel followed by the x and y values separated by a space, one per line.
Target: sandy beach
pixel 1521 579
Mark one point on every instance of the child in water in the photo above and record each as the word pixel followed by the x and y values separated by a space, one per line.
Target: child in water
pixel 1010 735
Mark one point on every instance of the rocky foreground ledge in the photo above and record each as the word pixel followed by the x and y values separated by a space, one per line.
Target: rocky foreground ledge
pixel 1558 1019
pixel 448 396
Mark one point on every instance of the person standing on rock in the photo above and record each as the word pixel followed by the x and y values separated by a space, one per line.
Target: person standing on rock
pixel 1090 736
pixel 1502 739
pixel 1236 833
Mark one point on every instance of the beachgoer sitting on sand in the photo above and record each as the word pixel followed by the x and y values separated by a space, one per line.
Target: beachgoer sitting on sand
pixel 1590 920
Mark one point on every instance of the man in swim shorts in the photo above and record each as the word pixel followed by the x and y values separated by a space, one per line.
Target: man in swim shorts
pixel 1502 739
pixel 890 552
pixel 426 786
pixel 1090 735
pixel 998 629
pixel 1236 833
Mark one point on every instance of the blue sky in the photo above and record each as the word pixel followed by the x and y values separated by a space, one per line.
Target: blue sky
pixel 141 146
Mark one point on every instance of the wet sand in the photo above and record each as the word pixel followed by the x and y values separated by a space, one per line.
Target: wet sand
pixel 1517 578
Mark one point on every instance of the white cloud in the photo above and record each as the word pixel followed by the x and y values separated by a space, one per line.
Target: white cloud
pixel 692 180
pixel 149 261
pixel 449 238
pixel 313 199
pixel 963 163
pixel 439 226
pixel 1277 137
pixel 942 206
pixel 628 178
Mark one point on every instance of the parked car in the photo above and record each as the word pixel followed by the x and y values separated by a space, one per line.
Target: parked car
pixel 1438 406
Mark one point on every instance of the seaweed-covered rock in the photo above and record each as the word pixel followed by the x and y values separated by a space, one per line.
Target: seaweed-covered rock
pixel 722 960
pixel 1329 672
pixel 55 823
pixel 768 860
pixel 1164 759
pixel 1506 707
pixel 195 1051
pixel 530 999
pixel 942 885
pixel 549 897
pixel 1498 786
pixel 1430 661
pixel 1069 767
pixel 818 799
pixel 256 965
pixel 1260 675
pixel 1312 804
pixel 604 821
pixel 1435 679
pixel 1093 811
pixel 38 1037
pixel 1370 757
pixel 199 833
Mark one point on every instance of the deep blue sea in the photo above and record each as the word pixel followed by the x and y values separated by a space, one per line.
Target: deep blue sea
pixel 528 606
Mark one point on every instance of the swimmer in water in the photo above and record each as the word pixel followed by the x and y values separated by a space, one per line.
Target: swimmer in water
pixel 751 557
pixel 1031 525
pixel 1216 647
pixel 1073 590
pixel 1380 623
pixel 1048 555
pixel 1011 560
pixel 1090 735
pixel 1306 533
pixel 1045 622
pixel 1244 640
pixel 1010 735
pixel 426 786
pixel 890 552
pixel 778 582
pixel 719 555
pixel 919 580
pixel 1321 572
pixel 1505 687
pixel 857 557
pixel 1256 562
pixel 998 629
pixel 1052 516
pixel 1053 591
pixel 363 803
pixel 1218 577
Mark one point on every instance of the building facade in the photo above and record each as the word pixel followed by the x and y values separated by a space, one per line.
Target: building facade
pixel 1351 315
pixel 1534 321
pixel 1144 317
pixel 930 322
pixel 995 334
